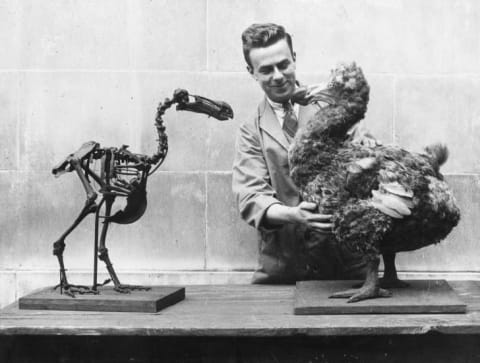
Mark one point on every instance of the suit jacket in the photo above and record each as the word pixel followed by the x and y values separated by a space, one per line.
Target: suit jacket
pixel 261 178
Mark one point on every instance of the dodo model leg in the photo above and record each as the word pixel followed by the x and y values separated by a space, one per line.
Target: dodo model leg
pixel 365 236
pixel 103 251
pixel 390 278
pixel 370 288
pixel 59 246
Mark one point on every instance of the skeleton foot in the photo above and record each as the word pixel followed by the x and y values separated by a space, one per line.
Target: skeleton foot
pixel 365 292
pixel 127 289
pixel 71 290
pixel 103 255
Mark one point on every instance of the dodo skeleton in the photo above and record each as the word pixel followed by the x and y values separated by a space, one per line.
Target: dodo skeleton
pixel 122 174
pixel 383 199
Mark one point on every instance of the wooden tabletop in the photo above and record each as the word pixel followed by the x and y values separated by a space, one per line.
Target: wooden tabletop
pixel 240 311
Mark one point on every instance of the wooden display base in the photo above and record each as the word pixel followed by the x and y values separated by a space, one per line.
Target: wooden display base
pixel 421 297
pixel 151 301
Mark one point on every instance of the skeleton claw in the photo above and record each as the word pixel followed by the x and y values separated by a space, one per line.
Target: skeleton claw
pixel 127 289
pixel 71 290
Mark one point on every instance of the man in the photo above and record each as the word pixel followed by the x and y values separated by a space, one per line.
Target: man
pixel 267 198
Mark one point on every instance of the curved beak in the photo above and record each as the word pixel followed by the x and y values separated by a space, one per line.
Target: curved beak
pixel 218 109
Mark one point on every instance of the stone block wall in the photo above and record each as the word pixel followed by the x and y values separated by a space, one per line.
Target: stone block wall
pixel 72 71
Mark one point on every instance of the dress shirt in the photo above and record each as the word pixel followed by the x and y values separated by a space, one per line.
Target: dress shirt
pixel 280 110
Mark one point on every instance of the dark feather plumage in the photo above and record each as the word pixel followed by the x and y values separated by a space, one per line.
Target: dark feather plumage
pixel 383 199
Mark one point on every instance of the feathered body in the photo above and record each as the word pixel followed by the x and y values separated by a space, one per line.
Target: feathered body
pixel 383 199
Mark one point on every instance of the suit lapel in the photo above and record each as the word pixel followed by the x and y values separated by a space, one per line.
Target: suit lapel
pixel 269 123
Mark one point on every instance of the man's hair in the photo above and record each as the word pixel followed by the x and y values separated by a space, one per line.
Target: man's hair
pixel 263 35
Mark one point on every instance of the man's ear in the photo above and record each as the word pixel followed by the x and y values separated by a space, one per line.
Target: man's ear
pixel 294 56
pixel 250 70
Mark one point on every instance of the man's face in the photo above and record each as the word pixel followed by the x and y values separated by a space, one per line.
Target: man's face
pixel 273 67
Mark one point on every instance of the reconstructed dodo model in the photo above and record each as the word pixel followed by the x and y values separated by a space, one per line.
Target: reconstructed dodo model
pixel 383 199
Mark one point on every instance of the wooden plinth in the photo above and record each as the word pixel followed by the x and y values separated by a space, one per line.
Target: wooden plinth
pixel 151 301
pixel 421 297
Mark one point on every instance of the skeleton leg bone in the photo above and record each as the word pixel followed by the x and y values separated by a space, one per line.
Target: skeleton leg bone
pixel 103 252
pixel 59 246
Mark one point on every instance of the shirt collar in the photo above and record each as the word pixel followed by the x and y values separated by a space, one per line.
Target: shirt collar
pixel 275 105
pixel 279 106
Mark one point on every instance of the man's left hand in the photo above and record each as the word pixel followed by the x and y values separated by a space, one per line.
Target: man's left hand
pixel 307 94
pixel 366 139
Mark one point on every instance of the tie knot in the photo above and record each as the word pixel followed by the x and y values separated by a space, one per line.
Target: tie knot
pixel 287 106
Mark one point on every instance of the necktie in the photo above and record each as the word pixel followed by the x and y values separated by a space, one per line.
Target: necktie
pixel 290 122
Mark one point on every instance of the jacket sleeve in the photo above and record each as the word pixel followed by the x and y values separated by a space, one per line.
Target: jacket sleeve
pixel 250 178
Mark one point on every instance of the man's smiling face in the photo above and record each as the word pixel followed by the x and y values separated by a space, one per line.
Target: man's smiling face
pixel 274 69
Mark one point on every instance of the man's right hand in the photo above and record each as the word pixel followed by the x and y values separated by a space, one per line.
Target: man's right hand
pixel 304 214
pixel 301 214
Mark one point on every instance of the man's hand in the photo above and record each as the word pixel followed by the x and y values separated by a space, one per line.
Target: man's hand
pixel 313 93
pixel 366 139
pixel 314 90
pixel 303 214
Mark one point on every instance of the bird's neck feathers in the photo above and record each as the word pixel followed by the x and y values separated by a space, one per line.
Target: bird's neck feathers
pixel 349 93
pixel 332 123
